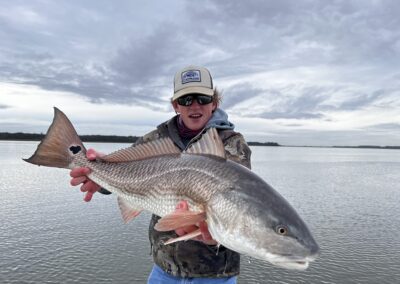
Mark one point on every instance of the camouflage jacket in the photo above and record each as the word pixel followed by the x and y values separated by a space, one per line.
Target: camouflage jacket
pixel 193 258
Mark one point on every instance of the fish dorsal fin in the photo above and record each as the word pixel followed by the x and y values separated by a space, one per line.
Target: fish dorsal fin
pixel 159 147
pixel 209 144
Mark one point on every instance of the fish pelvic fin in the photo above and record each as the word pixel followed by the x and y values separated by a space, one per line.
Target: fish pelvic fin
pixel 185 237
pixel 179 219
pixel 127 211
pixel 209 143
pixel 60 144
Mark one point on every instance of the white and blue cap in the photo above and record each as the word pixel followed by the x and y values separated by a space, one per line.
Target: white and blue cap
pixel 193 80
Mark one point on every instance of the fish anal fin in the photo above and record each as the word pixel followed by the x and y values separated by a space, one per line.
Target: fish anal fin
pixel 159 147
pixel 185 237
pixel 209 144
pixel 127 211
pixel 179 219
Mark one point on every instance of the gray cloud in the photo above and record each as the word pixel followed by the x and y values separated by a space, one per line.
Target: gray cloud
pixel 245 37
pixel 307 102
pixel 147 59
pixel 239 93
pixel 267 34
pixel 385 127
pixel 310 100
pixel 363 99
pixel 4 106
pixel 278 103
pixel 289 115
pixel 127 53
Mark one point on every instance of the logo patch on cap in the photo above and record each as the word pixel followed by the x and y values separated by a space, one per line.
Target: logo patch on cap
pixel 191 76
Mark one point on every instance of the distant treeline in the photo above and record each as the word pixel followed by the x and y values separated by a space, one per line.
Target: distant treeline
pixel 263 144
pixel 369 147
pixel 19 136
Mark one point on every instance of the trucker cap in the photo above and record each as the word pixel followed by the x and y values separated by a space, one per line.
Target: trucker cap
pixel 193 79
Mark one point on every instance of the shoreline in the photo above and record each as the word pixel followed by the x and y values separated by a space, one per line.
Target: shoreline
pixel 19 136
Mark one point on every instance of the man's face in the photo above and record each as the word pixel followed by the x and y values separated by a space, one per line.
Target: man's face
pixel 195 116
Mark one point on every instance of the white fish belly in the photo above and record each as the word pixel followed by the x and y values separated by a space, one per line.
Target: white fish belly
pixel 161 204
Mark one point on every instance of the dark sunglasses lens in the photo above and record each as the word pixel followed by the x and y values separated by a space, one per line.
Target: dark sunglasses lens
pixel 185 101
pixel 203 100
pixel 188 100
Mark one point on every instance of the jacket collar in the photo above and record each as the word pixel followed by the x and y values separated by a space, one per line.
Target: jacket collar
pixel 169 128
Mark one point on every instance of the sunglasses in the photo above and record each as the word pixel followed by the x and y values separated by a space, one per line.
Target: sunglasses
pixel 188 100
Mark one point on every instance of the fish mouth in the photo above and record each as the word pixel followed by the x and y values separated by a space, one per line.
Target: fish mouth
pixel 295 265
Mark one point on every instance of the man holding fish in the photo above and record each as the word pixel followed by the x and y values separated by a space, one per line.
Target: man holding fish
pixel 196 102
pixel 198 158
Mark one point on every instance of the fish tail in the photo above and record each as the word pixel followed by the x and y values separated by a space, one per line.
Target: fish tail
pixel 58 147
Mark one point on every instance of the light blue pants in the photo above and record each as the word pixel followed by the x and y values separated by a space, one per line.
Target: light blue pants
pixel 159 276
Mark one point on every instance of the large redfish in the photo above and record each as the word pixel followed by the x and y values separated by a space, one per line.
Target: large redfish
pixel 242 211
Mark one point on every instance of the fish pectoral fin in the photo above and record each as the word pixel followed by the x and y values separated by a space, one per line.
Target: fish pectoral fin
pixel 179 219
pixel 128 213
pixel 184 237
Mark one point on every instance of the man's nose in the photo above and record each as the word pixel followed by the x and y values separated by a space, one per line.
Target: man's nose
pixel 195 104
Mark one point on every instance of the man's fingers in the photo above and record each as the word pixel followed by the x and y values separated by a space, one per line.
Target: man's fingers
pixel 88 196
pixel 180 232
pixel 205 237
pixel 91 154
pixel 205 234
pixel 191 228
pixel 186 230
pixel 78 180
pixel 79 175
pixel 204 231
pixel 78 172
pixel 90 186
pixel 182 206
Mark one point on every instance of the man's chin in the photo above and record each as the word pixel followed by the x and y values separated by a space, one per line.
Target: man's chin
pixel 196 125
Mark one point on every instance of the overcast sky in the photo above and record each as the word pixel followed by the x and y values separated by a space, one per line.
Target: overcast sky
pixel 293 72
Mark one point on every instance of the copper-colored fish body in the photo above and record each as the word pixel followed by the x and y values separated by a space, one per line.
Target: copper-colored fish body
pixel 242 211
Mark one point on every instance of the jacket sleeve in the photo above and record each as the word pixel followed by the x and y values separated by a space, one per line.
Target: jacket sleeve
pixel 151 136
pixel 237 150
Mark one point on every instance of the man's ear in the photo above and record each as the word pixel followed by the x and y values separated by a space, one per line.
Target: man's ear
pixel 215 105
pixel 175 106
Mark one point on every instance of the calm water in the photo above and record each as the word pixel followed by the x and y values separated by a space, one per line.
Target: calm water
pixel 350 198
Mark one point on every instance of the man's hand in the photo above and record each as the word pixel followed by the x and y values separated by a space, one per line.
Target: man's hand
pixel 79 176
pixel 205 234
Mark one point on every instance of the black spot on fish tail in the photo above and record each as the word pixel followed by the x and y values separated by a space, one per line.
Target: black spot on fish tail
pixel 75 149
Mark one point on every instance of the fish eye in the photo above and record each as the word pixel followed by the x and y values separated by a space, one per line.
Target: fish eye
pixel 281 230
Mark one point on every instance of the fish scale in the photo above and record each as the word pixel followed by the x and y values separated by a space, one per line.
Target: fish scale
pixel 171 179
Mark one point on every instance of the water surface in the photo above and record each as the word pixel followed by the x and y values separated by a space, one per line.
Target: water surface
pixel 348 197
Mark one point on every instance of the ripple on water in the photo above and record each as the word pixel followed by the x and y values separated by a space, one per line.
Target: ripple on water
pixel 349 198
